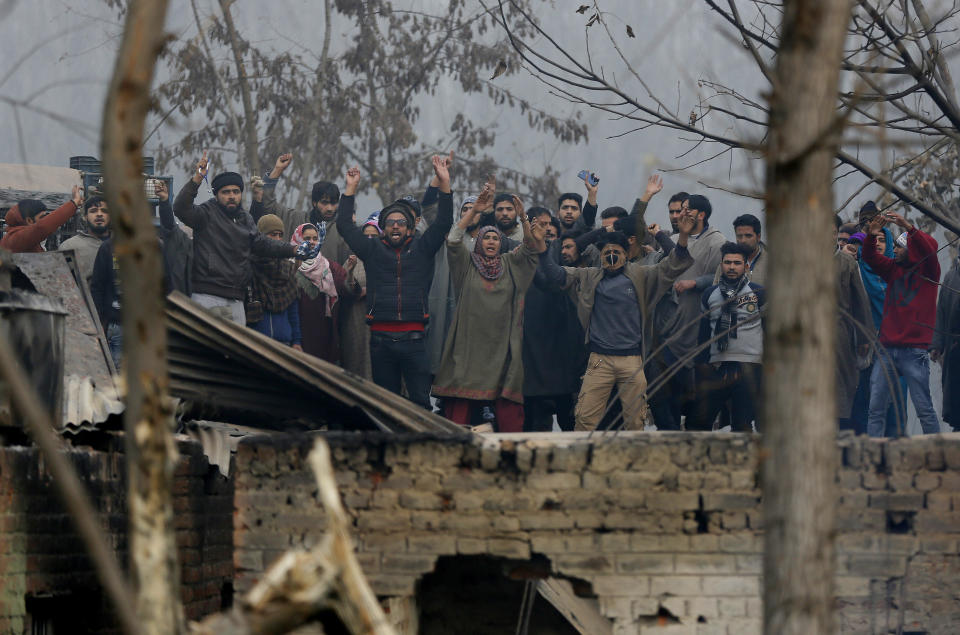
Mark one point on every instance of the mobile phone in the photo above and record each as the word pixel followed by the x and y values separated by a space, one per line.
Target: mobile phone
pixel 589 176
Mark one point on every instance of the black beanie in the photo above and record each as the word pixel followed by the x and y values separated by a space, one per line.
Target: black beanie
pixel 224 179
pixel 400 205
pixel 868 211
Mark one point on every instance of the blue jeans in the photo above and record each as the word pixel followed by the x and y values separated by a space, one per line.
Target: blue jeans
pixel 914 365
pixel 115 341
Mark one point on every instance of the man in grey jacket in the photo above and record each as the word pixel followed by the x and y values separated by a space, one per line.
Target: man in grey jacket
pixel 224 239
pixel 731 318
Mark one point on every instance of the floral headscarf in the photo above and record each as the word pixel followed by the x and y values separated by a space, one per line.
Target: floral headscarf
pixel 489 267
pixel 314 275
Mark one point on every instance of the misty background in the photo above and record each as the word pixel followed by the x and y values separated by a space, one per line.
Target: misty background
pixel 58 55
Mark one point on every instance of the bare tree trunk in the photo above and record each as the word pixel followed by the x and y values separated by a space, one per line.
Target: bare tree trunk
pixel 151 453
pixel 800 401
pixel 251 144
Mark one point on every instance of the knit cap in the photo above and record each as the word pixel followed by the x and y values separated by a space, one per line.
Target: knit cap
pixel 269 223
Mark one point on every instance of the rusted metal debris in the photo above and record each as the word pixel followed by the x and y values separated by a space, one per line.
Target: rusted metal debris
pixel 238 375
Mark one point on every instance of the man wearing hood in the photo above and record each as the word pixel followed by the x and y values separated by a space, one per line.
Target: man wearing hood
pixel 399 269
pixel 615 306
pixel 29 222
pixel 324 197
pixel 909 318
pixel 225 239
pixel 96 229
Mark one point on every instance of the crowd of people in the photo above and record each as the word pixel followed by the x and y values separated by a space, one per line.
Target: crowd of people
pixel 519 317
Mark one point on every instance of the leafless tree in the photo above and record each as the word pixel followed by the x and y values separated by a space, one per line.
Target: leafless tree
pixel 151 453
pixel 895 91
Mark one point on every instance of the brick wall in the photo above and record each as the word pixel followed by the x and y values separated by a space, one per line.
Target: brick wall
pixel 666 527
pixel 43 561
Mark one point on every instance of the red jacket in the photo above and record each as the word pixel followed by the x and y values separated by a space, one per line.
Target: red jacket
pixel 910 305
pixel 22 238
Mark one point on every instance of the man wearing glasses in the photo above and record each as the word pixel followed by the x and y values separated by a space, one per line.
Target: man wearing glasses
pixel 399 267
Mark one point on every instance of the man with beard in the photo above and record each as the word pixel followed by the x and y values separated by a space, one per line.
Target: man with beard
pixel 569 252
pixel 615 305
pixel 324 198
pixel 909 317
pixel 505 217
pixel 746 227
pixel 731 312
pixel 399 269
pixel 573 214
pixel 946 343
pixel 225 239
pixel 96 229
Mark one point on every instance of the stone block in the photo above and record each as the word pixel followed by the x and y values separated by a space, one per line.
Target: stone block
pixel 553 481
pixel 379 520
pixel 622 479
pixel 755 607
pixel 898 501
pixel 611 542
pixel 704 542
pixel 879 565
pixel 926 481
pixel 743 479
pixel 669 629
pixel 645 563
pixel 702 607
pixel 509 548
pixel 744 626
pixel 625 520
pixel 471 546
pixel 383 542
pixel 593 481
pixel 569 458
pixel 506 523
pixel 548 542
pixel 468 501
pixel 416 499
pixel 741 543
pixel 943 522
pixel 730 585
pixel 584 563
pixel 672 501
pixel 729 501
pixel 432 543
pixel 392 584
pixel 621 585
pixel 546 520
pixel 732 607
pixel 706 563
pixel 749 563
pixel 687 585
pixel 851 586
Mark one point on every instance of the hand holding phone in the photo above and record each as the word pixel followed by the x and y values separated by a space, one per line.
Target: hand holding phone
pixel 588 177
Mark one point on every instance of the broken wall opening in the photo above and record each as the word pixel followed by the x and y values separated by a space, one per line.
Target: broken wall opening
pixel 484 594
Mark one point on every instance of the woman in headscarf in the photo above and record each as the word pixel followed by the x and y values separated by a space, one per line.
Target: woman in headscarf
pixel 273 308
pixel 482 360
pixel 321 283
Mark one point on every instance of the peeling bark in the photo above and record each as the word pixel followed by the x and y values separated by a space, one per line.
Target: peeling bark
pixel 800 404
pixel 151 453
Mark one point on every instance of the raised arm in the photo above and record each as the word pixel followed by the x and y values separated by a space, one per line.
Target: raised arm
pixel 351 234
pixel 432 238
pixel 533 236
pixel 39 230
pixel 183 205
pixel 878 262
pixel 589 212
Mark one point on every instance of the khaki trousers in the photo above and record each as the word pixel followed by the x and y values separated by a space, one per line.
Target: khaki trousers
pixel 603 373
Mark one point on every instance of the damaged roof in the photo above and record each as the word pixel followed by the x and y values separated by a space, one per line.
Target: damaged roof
pixel 248 378
pixel 89 393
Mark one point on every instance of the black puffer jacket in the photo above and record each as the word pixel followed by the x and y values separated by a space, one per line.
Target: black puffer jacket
pixel 223 244
pixel 398 279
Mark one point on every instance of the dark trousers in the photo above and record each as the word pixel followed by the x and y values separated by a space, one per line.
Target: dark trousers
pixel 401 356
pixel 671 400
pixel 538 413
pixel 741 384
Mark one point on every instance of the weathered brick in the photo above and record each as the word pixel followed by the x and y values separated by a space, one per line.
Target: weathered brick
pixel 470 546
pixel 730 500
pixel 553 480
pixel 546 520
pixel 431 543
pixel 508 548
pixel 702 607
pixel 621 585
pixel 614 542
pixel 672 501
pixel 416 499
pixel 902 501
pixel 926 481
pixel 730 585
pixel 675 585
pixel 741 543
pixel 706 563
pixel 876 564
pixel 732 607
pixel 584 563
pixel 645 563
pixel 548 542
pixel 407 563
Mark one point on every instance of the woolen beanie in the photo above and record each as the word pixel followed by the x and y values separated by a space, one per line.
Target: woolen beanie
pixel 224 179
pixel 400 205
pixel 269 223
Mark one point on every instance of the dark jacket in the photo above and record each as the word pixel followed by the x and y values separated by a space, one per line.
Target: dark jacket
pixel 177 250
pixel 103 285
pixel 398 279
pixel 222 245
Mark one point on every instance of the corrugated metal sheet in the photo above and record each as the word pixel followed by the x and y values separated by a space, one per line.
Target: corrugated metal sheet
pixel 219 440
pixel 90 394
pixel 247 377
